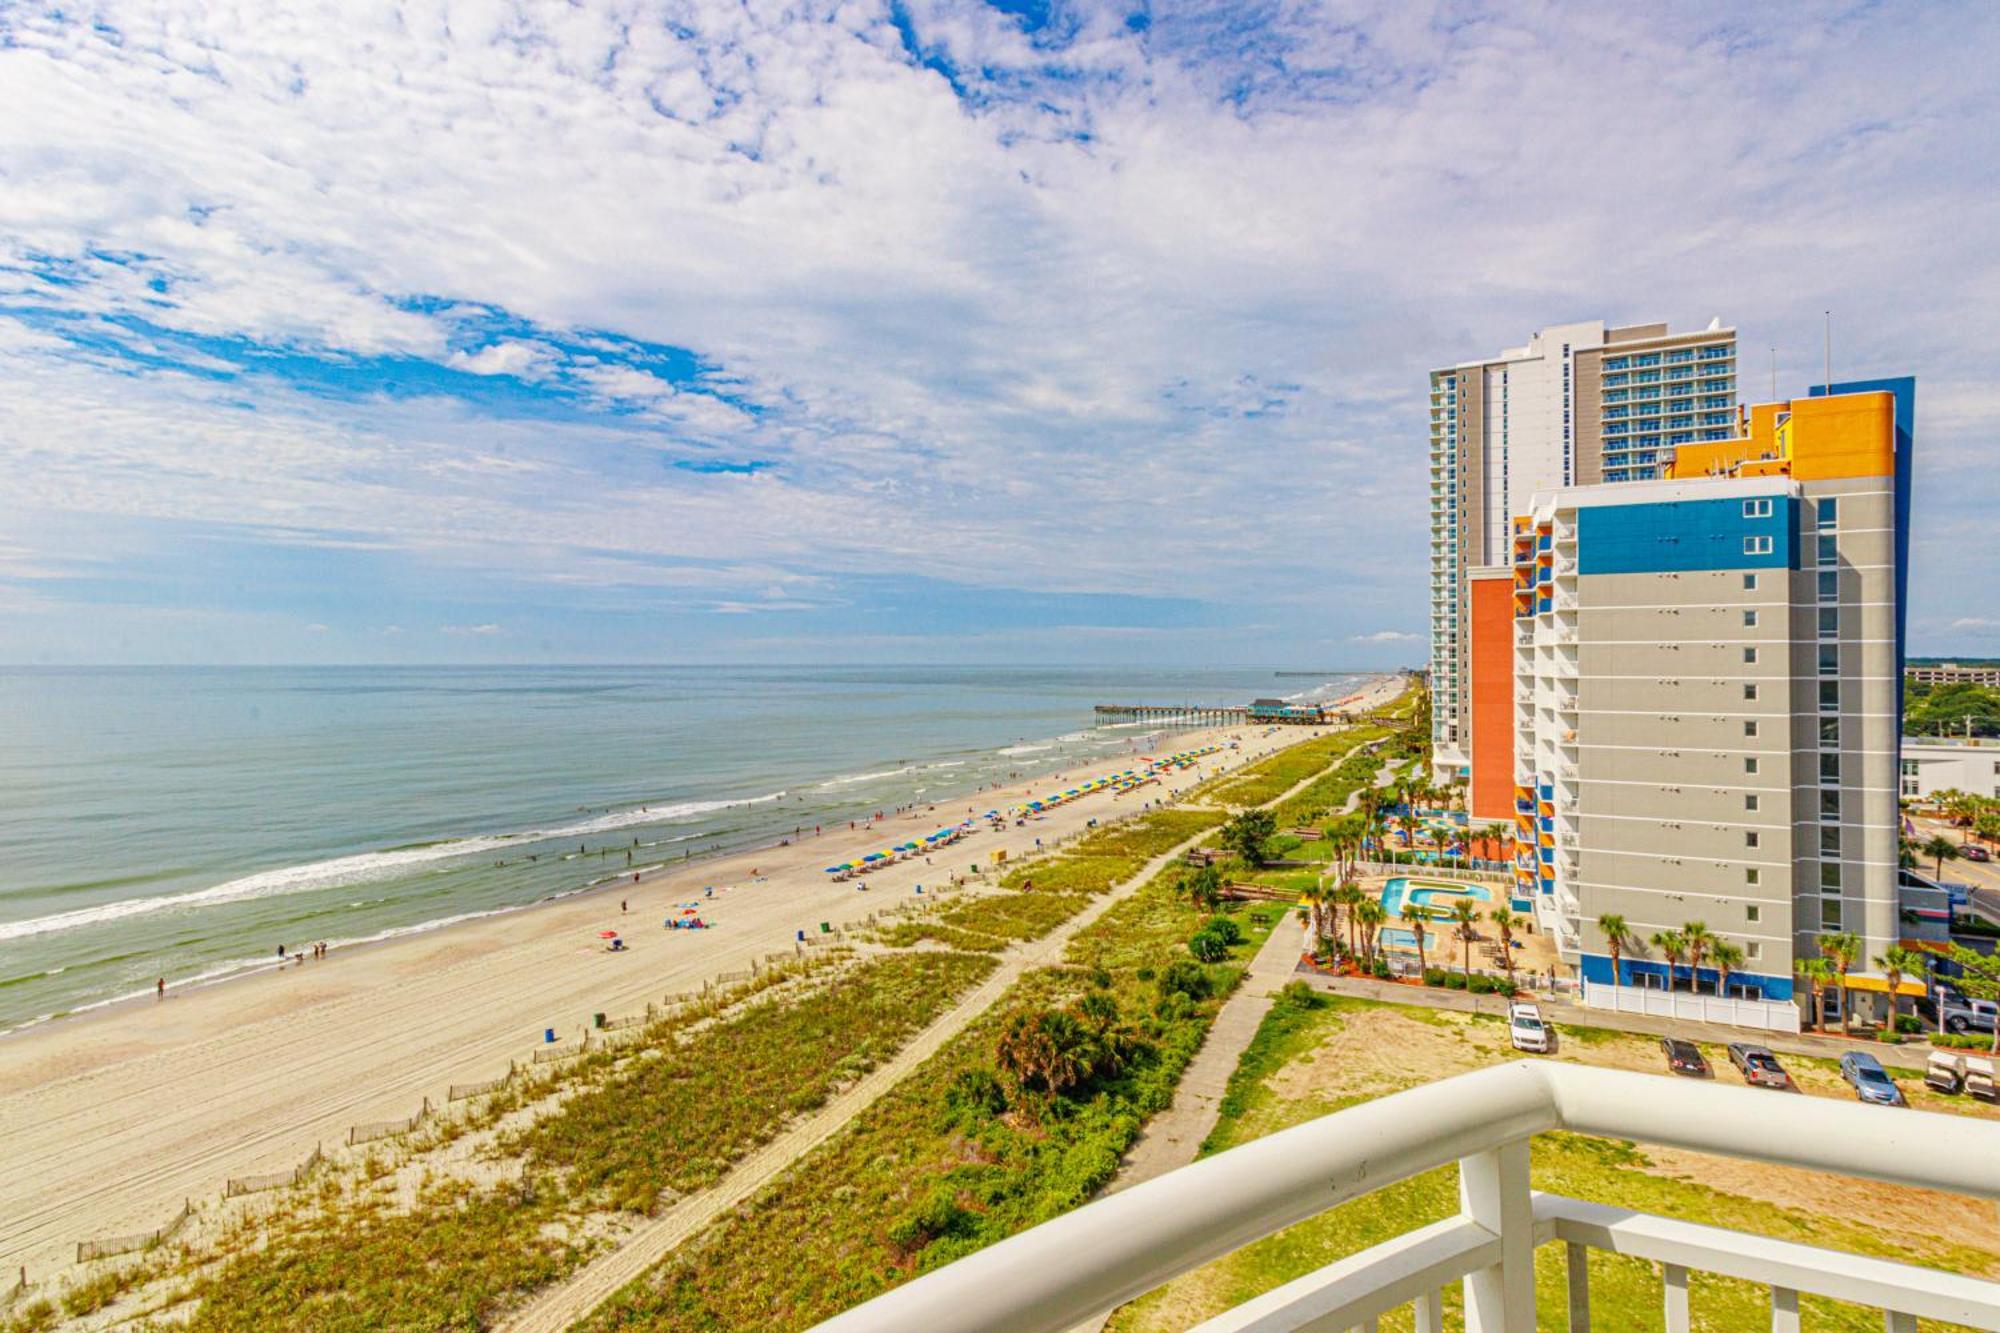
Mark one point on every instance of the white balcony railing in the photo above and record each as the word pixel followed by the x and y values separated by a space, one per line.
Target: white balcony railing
pixel 1080 1265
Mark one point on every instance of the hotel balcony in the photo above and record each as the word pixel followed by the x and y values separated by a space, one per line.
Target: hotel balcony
pixel 1070 1271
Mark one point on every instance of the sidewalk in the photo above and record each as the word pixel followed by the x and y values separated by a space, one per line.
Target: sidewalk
pixel 1910 1056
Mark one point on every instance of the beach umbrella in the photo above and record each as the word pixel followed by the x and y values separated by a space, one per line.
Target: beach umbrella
pixel 607 934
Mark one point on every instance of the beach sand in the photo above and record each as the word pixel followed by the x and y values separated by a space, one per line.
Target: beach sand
pixel 111 1119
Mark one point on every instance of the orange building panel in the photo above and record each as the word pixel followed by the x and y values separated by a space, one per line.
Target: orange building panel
pixel 1491 796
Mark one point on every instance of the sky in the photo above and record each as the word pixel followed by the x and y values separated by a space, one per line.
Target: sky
pixel 919 331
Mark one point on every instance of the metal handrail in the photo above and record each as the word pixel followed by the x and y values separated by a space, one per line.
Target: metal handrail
pixel 1108 1252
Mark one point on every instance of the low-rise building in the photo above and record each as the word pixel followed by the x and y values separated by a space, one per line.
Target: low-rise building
pixel 1932 764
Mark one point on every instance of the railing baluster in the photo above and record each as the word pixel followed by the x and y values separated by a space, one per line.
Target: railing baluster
pixel 1430 1312
pixel 1677 1297
pixel 1895 1321
pixel 1577 1261
pixel 1493 1191
pixel 1784 1310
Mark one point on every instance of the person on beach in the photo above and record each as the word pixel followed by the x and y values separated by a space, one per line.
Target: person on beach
pixel 281 953
pixel 162 992
pixel 623 906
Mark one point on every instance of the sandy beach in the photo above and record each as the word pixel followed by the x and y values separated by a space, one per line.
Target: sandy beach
pixel 112 1119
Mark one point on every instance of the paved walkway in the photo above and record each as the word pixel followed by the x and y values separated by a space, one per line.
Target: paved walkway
pixel 1910 1056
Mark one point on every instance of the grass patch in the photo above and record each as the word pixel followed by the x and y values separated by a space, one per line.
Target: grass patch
pixel 463 1254
pixel 1037 897
pixel 938 1168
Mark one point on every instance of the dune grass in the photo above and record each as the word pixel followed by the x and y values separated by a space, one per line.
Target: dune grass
pixel 927 1174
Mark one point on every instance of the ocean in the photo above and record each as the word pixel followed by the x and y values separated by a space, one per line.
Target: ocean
pixel 184 822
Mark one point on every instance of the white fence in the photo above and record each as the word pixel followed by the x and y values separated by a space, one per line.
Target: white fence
pixel 1087 1262
pixel 1771 1015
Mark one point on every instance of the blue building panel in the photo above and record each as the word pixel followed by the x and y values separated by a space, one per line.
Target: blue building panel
pixel 1597 967
pixel 1680 536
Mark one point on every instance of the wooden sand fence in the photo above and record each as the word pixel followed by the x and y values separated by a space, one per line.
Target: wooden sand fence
pixel 86 1250
pixel 275 1180
pixel 458 1092
pixel 384 1129
pixel 13 1293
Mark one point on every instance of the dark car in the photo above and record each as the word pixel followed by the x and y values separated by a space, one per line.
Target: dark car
pixel 1684 1058
pixel 1972 851
pixel 1760 1068
pixel 1871 1082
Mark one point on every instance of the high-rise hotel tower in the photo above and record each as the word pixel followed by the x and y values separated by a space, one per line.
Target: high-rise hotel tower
pixel 1578 405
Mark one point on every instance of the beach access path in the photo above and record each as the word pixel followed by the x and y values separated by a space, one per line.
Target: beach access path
pixel 597 1281
pixel 112 1120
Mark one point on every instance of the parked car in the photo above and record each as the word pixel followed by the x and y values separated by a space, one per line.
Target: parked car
pixel 1526 1029
pixel 1684 1057
pixel 1871 1082
pixel 1963 1015
pixel 1972 851
pixel 1945 1072
pixel 1760 1068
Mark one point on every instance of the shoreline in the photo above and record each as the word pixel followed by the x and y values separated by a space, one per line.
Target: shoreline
pixel 122 1111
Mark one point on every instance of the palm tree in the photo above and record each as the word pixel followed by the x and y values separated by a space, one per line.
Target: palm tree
pixel 1616 933
pixel 1414 917
pixel 1842 949
pixel 1940 849
pixel 1370 913
pixel 1319 901
pixel 1696 939
pixel 1816 972
pixel 1897 963
pixel 1727 958
pixel 1671 947
pixel 1350 897
pixel 1504 922
pixel 1466 916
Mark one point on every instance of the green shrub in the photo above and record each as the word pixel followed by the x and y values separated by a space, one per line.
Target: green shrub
pixel 1208 947
pixel 1224 928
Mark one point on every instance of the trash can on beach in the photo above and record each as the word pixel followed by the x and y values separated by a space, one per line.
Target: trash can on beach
pixel 597 1020
pixel 549 1035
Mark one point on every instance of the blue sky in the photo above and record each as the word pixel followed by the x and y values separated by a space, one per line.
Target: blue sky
pixel 911 331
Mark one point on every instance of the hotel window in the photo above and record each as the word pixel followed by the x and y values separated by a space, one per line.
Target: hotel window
pixel 1829 914
pixel 1750 800
pixel 1749 620
pixel 1756 546
pixel 1749 583
pixel 1753 914
pixel 1829 621
pixel 1756 509
pixel 1753 949
pixel 1750 764
pixel 1749 691
pixel 1750 728
pixel 1829 549
pixel 1828 514
pixel 1829 767
pixel 1750 838
pixel 1829 659
pixel 1829 804
pixel 1829 733
pixel 1829 585
pixel 1750 875
pixel 1829 874
pixel 1829 841
pixel 1749 657
pixel 1829 695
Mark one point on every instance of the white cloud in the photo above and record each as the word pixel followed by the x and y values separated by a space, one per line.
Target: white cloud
pixel 316 628
pixel 482 630
pixel 1387 636
pixel 1975 623
pixel 1063 337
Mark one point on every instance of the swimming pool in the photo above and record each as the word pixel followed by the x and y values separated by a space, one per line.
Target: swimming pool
pixel 1435 896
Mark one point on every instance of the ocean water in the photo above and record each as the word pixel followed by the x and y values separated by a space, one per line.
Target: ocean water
pixel 184 822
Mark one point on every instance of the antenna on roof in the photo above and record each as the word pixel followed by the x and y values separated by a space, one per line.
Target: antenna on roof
pixel 1829 352
pixel 1715 324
